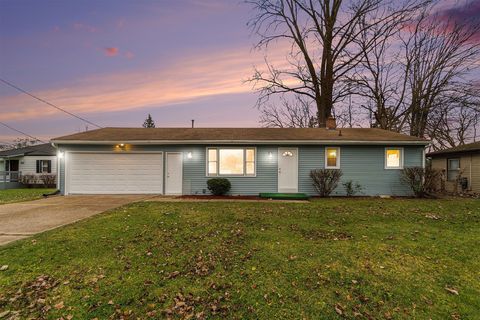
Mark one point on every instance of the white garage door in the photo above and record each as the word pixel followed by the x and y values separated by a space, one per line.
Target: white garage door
pixel 115 173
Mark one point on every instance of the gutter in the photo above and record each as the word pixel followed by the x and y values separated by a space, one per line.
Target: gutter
pixel 263 142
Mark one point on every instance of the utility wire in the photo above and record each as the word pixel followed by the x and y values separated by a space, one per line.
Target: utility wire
pixel 48 103
pixel 25 134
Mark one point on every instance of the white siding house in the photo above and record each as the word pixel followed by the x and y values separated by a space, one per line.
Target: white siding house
pixel 30 162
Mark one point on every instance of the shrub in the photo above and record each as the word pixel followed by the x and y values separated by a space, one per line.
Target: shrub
pixel 422 181
pixel 325 180
pixel 218 186
pixel 29 180
pixel 48 179
pixel 352 188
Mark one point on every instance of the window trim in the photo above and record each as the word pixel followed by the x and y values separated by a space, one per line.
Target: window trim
pixel 337 166
pixel 448 168
pixel 402 156
pixel 245 175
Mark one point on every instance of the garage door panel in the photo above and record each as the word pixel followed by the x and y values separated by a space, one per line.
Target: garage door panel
pixel 115 173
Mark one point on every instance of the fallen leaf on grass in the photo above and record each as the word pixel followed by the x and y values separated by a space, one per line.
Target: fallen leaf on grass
pixel 452 290
pixel 339 309
pixel 59 305
pixel 432 216
pixel 4 267
pixel 173 274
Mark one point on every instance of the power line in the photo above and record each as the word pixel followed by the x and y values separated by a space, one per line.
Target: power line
pixel 25 134
pixel 48 103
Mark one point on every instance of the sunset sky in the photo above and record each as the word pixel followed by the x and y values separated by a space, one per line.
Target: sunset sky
pixel 113 62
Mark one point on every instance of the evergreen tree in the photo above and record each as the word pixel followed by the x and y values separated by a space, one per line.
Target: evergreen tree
pixel 149 123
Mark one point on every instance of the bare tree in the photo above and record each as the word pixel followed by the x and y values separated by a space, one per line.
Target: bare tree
pixel 19 143
pixel 323 39
pixel 418 79
pixel 438 58
pixel 298 113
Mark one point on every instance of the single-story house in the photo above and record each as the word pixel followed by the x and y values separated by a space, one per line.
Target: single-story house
pixel 32 161
pixel 181 160
pixel 460 164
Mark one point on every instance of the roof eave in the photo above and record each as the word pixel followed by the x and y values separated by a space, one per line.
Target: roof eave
pixel 265 142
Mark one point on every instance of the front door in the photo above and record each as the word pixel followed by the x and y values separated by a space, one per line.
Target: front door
pixel 288 170
pixel 14 168
pixel 174 170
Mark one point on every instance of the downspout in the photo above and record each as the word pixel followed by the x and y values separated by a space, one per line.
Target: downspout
pixel 470 173
pixel 58 169
pixel 423 158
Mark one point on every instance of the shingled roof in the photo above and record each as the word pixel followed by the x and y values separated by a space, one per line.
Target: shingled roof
pixel 237 135
pixel 470 147
pixel 45 149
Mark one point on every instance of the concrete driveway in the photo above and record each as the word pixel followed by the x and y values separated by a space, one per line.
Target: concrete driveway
pixel 23 219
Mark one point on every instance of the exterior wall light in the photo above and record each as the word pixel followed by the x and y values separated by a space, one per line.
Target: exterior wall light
pixel 270 155
pixel 189 155
pixel 60 154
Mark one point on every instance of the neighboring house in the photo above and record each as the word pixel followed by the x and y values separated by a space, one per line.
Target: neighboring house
pixel 32 160
pixel 181 160
pixel 462 161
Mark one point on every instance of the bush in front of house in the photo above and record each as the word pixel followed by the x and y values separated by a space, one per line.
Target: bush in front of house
pixel 219 186
pixel 38 181
pixel 422 181
pixel 352 188
pixel 325 180
pixel 48 180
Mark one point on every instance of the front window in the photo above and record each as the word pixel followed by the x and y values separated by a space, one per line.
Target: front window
pixel 332 158
pixel 453 169
pixel 44 166
pixel 393 158
pixel 231 162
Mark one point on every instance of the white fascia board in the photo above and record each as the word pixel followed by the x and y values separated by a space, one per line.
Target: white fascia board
pixel 220 142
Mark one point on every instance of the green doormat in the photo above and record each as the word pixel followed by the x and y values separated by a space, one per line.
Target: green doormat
pixel 285 196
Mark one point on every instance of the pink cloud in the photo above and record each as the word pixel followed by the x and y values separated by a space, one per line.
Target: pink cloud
pixel 129 55
pixel 111 51
pixel 210 74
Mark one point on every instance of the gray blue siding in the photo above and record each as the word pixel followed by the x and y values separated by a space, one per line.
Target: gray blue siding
pixel 362 164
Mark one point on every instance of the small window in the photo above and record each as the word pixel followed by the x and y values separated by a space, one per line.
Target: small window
pixel 250 162
pixel 231 162
pixel 453 169
pixel 212 162
pixel 393 158
pixel 44 166
pixel 332 158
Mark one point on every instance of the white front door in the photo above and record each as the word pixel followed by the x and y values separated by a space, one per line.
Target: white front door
pixel 288 170
pixel 173 184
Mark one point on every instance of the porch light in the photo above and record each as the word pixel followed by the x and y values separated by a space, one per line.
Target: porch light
pixel 122 145
pixel 270 155
pixel 189 155
pixel 60 154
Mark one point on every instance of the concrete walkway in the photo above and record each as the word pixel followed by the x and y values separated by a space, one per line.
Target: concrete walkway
pixel 23 219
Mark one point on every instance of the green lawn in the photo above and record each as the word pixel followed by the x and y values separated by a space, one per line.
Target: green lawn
pixel 328 259
pixel 18 195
